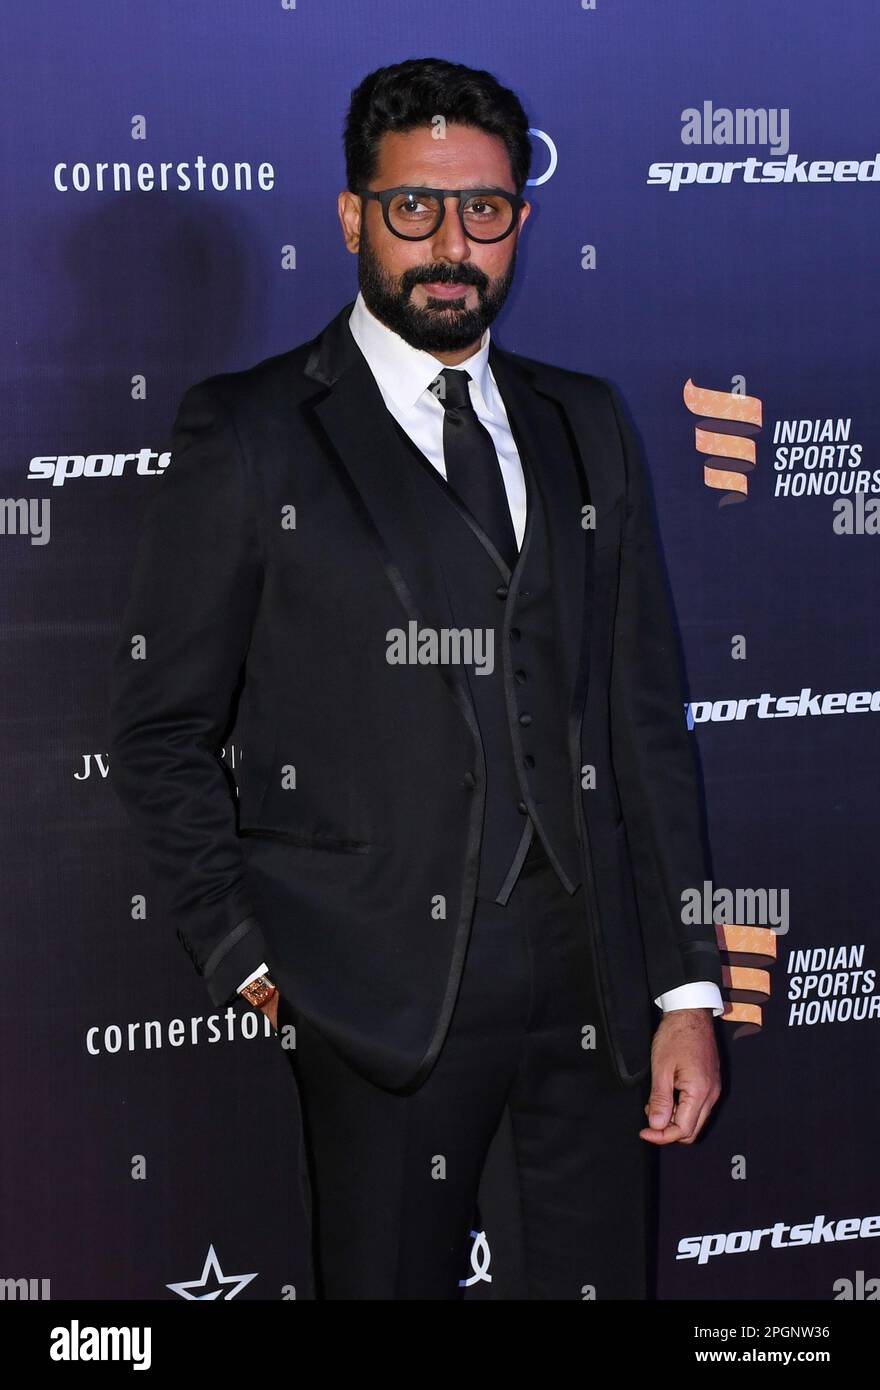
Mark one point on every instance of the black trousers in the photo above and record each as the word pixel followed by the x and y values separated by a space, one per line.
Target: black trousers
pixel 392 1179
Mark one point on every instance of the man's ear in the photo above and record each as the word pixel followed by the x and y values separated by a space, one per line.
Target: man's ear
pixel 349 208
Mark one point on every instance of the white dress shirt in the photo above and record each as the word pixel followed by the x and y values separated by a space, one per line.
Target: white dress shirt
pixel 403 375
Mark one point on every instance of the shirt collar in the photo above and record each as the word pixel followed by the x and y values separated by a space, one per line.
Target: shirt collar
pixel 404 372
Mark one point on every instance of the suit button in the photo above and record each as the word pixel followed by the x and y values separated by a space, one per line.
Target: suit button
pixel 515 634
pixel 501 591
pixel 469 779
pixel 520 677
pixel 529 760
pixel 525 719
pixel 522 808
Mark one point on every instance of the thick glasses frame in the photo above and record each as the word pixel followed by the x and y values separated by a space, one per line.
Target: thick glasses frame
pixel 384 196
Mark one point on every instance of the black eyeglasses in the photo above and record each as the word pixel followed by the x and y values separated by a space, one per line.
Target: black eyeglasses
pixel 414 213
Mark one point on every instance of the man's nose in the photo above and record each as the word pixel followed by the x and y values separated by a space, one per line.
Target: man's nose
pixel 449 240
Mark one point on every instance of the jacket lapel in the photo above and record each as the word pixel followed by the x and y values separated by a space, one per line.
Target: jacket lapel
pixel 547 447
pixel 378 475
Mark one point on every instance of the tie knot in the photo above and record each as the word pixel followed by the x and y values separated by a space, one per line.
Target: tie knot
pixel 451 388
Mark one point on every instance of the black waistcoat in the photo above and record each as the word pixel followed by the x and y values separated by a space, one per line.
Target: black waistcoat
pixel 520 702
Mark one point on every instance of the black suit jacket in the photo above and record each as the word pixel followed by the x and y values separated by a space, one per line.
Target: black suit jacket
pixel 282 545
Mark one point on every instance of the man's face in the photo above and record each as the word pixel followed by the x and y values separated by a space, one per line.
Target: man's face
pixel 396 276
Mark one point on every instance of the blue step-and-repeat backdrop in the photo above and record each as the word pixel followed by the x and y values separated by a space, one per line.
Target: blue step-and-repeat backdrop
pixel 704 233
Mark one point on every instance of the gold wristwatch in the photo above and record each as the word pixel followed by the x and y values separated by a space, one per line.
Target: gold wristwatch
pixel 258 991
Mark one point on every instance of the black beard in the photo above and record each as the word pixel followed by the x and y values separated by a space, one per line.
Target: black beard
pixel 446 329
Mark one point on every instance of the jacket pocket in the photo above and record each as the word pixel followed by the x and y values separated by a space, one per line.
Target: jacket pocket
pixel 295 837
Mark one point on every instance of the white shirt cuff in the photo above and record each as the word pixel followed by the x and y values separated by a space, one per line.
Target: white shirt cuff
pixel 699 994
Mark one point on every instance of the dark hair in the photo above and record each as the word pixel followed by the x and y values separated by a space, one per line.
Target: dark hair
pixel 410 94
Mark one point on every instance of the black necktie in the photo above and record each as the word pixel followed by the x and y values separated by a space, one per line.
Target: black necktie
pixel 472 467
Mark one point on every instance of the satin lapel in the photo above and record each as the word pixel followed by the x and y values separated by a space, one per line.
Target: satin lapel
pixel 546 442
pixel 378 474
pixel 378 471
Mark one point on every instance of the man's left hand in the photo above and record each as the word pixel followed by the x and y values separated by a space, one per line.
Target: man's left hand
pixel 684 1057
pixel 270 1009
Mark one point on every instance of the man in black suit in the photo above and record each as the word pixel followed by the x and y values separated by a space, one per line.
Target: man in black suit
pixel 420 576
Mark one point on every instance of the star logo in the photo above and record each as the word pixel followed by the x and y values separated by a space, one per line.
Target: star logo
pixel 212 1274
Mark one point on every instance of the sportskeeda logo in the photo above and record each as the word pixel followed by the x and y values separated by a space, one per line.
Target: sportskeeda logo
pixel 751 125
pixel 60 468
pixel 815 1232
pixel 767 706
